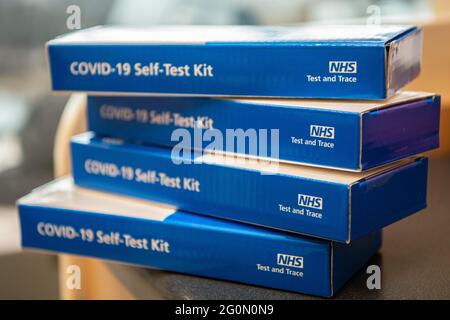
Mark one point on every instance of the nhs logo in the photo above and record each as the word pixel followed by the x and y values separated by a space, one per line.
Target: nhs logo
pixel 305 200
pixel 289 261
pixel 321 131
pixel 342 66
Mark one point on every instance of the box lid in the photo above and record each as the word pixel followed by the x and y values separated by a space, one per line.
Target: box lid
pixel 351 34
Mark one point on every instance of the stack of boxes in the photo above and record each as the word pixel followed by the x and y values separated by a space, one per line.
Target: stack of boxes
pixel 218 152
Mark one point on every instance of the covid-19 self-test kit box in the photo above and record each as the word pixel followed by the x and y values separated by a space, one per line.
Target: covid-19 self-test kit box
pixel 324 203
pixel 62 218
pixel 350 62
pixel 352 135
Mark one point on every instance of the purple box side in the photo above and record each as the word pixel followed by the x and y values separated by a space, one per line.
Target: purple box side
pixel 395 133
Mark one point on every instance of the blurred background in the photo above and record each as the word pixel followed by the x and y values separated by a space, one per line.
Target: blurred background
pixel 29 114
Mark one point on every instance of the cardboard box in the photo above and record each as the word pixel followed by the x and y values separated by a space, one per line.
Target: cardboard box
pixel 330 204
pixel 64 219
pixel 342 134
pixel 349 62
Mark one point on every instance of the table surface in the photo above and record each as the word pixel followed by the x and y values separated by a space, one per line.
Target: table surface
pixel 414 261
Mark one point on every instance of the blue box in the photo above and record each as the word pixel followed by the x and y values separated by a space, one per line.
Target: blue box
pixel 348 62
pixel 64 219
pixel 324 203
pixel 345 135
